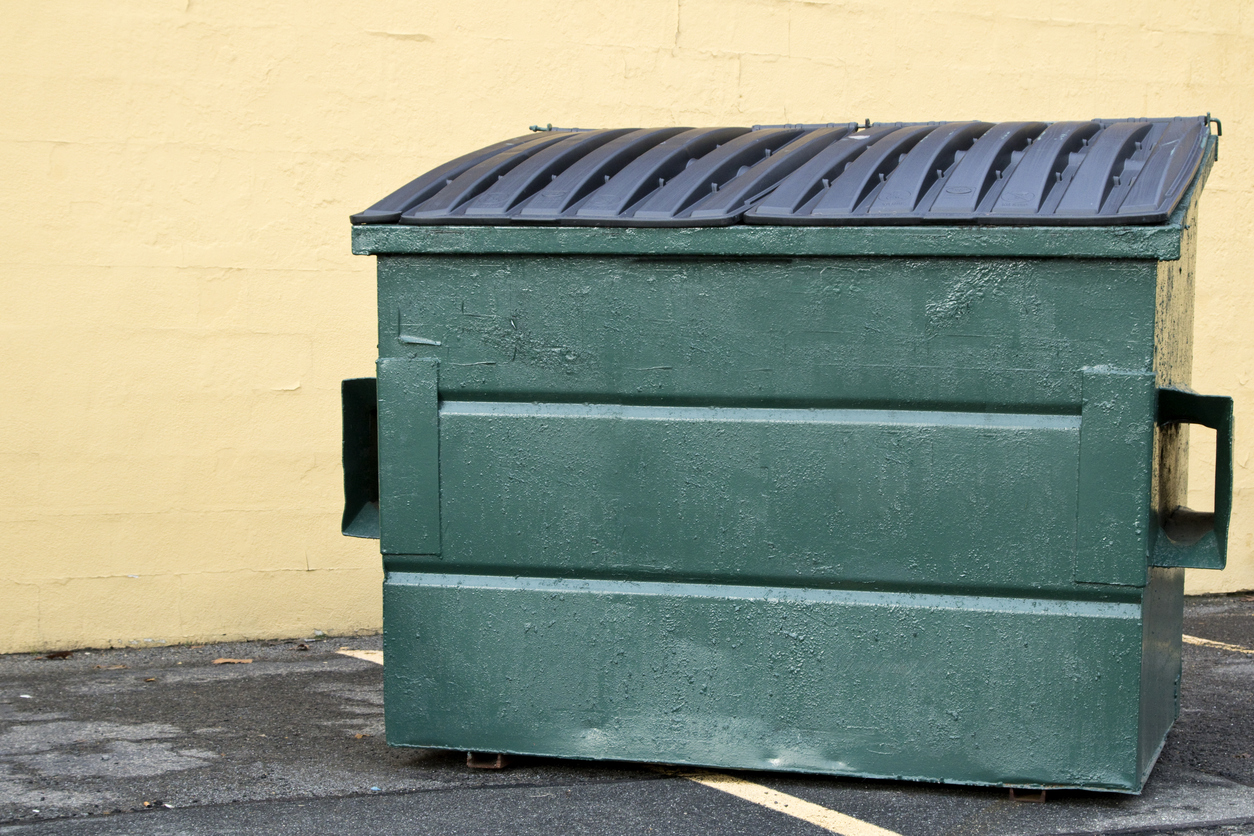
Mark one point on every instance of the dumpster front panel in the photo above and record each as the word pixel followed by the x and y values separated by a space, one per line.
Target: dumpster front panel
pixel 955 688
pixel 686 472
pixel 887 423
pixel 946 333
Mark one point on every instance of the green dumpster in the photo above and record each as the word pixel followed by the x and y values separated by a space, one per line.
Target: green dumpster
pixel 846 449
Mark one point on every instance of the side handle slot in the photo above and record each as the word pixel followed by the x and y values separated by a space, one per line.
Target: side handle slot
pixel 361 458
pixel 1198 539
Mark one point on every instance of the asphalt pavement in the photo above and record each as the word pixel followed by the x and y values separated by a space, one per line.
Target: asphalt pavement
pixel 163 740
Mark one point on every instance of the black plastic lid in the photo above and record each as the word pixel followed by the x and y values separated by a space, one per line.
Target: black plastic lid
pixel 1022 173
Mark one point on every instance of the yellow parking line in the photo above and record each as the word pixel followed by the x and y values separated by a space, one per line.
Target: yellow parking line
pixel 1235 648
pixel 375 656
pixel 782 802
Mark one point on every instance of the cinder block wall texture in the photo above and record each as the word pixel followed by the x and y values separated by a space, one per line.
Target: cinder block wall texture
pixel 180 303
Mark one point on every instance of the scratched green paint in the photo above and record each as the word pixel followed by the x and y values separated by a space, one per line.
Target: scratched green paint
pixel 973 692
pixel 797 497
pixel 865 501
pixel 1007 334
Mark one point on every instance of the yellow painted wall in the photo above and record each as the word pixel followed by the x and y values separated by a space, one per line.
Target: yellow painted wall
pixel 180 303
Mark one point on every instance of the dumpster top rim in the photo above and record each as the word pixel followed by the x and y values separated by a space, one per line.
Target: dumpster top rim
pixel 1158 243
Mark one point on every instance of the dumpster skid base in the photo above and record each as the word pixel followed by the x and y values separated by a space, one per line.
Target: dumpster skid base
pixel 952 688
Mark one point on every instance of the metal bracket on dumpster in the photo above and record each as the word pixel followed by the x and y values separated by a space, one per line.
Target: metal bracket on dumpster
pixel 1114 477
pixel 1198 539
pixel 486 760
pixel 409 455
